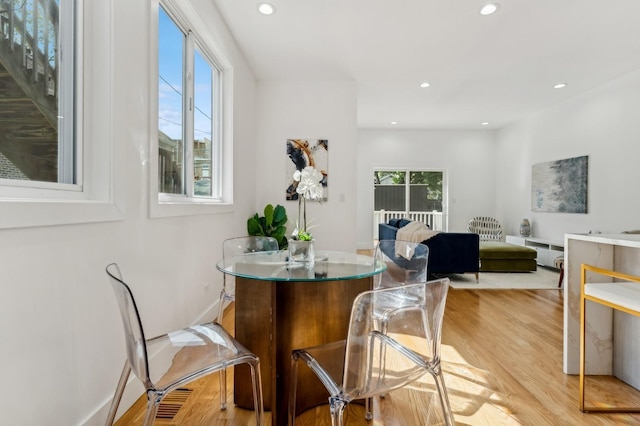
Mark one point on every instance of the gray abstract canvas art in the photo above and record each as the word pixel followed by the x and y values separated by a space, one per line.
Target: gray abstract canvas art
pixel 560 186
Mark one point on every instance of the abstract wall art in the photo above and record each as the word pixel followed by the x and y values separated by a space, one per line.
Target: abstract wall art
pixel 560 186
pixel 302 153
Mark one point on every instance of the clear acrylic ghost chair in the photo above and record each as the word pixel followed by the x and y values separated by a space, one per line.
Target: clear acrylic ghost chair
pixel 241 245
pixel 407 263
pixel 411 347
pixel 179 357
pixel 232 247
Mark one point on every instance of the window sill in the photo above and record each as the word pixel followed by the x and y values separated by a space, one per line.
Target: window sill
pixel 188 207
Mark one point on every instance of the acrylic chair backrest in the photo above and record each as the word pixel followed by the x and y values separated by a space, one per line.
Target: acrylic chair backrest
pixel 406 262
pixel 250 244
pixel 134 334
pixel 412 337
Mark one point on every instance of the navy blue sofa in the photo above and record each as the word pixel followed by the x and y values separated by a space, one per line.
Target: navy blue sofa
pixel 449 252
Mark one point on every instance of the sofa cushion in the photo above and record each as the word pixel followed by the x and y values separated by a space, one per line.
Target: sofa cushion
pixel 508 265
pixel 453 253
pixel 500 250
pixel 404 222
pixel 395 222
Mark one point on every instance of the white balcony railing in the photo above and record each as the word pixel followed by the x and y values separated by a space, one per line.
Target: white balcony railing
pixel 434 219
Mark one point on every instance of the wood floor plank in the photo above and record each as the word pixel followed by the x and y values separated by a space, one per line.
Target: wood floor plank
pixel 502 361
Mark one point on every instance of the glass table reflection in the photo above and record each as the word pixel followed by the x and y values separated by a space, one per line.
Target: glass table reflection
pixel 281 306
pixel 275 266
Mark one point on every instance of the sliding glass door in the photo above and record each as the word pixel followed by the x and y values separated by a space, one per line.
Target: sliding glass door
pixel 415 194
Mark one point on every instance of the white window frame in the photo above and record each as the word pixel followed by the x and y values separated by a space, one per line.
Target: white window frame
pixel 167 205
pixel 96 195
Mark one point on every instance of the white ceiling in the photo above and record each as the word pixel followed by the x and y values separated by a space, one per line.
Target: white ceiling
pixel 496 68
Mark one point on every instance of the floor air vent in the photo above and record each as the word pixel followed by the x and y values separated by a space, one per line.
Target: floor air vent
pixel 172 403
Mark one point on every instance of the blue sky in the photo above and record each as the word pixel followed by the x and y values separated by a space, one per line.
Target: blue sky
pixel 171 88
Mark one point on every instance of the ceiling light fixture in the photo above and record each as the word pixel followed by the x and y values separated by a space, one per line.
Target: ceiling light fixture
pixel 394 122
pixel 489 9
pixel 266 8
pixel 425 84
pixel 485 123
pixel 560 85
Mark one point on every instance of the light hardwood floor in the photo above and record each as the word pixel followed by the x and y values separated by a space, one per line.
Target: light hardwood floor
pixel 502 359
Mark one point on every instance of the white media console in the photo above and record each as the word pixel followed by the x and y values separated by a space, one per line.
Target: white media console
pixel 547 250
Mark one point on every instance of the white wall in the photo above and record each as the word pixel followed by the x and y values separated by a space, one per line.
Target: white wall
pixel 603 124
pixel 61 335
pixel 310 110
pixel 62 340
pixel 468 157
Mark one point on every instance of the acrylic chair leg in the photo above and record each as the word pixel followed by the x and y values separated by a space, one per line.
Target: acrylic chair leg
pixel 153 402
pixel 337 406
pixel 444 397
pixel 256 380
pixel 368 415
pixel 223 389
pixel 367 409
pixel 223 373
pixel 384 327
pixel 223 298
pixel 368 401
pixel 292 388
pixel 124 376
pixel 221 310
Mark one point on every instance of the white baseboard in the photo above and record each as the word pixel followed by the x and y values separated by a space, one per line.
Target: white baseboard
pixel 366 246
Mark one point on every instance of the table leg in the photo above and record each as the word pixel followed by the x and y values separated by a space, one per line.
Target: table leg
pixel 273 318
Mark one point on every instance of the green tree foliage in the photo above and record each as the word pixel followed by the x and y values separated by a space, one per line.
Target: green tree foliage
pixel 433 181
pixel 382 176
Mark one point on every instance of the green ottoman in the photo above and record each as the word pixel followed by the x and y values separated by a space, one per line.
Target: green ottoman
pixel 496 256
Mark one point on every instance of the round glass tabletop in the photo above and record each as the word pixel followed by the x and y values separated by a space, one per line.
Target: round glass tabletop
pixel 275 266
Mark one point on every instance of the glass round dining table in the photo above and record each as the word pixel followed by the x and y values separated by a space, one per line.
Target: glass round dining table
pixel 275 266
pixel 281 306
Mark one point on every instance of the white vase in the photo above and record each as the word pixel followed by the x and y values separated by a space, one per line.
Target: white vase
pixel 301 251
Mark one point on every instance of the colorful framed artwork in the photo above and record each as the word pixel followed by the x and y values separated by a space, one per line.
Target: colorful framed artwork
pixel 302 153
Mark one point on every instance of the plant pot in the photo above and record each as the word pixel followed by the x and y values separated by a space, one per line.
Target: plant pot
pixel 301 251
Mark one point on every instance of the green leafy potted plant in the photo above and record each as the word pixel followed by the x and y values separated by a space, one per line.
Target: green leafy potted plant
pixel 272 224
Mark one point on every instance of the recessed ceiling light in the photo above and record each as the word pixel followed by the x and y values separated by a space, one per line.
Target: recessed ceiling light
pixel 394 122
pixel 266 8
pixel 489 9
pixel 560 85
pixel 425 84
pixel 485 123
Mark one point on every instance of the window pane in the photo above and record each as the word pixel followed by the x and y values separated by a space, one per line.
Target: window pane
pixel 171 46
pixel 203 125
pixel 390 193
pixel 386 177
pixel 425 191
pixel 32 89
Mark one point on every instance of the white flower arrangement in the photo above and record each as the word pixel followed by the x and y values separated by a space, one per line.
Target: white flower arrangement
pixel 309 188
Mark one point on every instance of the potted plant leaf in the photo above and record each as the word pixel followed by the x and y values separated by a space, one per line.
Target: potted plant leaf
pixel 272 224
